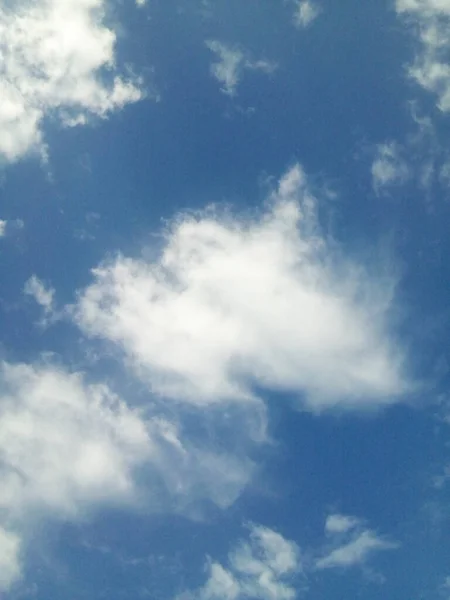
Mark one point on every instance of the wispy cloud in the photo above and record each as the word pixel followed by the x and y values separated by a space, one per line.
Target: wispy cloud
pixel 235 301
pixel 389 168
pixel 354 544
pixel 431 67
pixel 306 11
pixel 231 63
pixel 43 295
pixel 10 567
pixel 56 58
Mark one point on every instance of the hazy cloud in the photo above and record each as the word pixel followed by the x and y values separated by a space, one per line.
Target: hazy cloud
pixel 389 167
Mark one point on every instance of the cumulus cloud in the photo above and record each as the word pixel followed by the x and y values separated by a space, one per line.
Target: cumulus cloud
pixel 43 295
pixel 261 568
pixel 431 68
pixel 68 447
pixel 388 168
pixel 354 544
pixel 305 13
pixel 237 301
pixel 231 64
pixel 58 61
pixel 2 228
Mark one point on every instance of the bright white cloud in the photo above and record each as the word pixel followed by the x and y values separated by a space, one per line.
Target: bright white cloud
pixel 233 301
pixel 261 569
pixel 306 12
pixel 68 447
pixel 356 548
pixel 57 60
pixel 431 68
pixel 2 228
pixel 44 296
pixel 388 167
pixel 231 64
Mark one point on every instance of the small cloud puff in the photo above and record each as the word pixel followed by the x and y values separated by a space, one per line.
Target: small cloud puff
pixel 231 63
pixel 306 12
pixel 43 295
pixel 388 168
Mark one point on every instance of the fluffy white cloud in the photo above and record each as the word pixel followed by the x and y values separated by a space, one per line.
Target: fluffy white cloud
pixel 305 13
pixel 431 68
pixel 236 301
pixel 2 228
pixel 57 60
pixel 231 63
pixel 261 568
pixel 354 545
pixel 44 296
pixel 68 447
pixel 388 167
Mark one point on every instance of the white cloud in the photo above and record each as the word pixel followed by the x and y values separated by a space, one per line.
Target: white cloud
pixel 10 570
pixel 231 63
pixel 357 547
pixel 233 301
pixel 340 524
pixel 261 568
pixel 68 447
pixel 2 228
pixel 57 60
pixel 388 167
pixel 44 296
pixel 431 68
pixel 306 12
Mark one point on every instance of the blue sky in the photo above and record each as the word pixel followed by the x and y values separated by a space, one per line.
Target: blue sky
pixel 224 299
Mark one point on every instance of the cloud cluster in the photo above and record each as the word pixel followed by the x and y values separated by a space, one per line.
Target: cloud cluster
pixel 232 302
pixel 352 544
pixel 431 68
pixel 261 568
pixel 231 63
pixel 269 567
pixel 68 447
pixel 57 61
